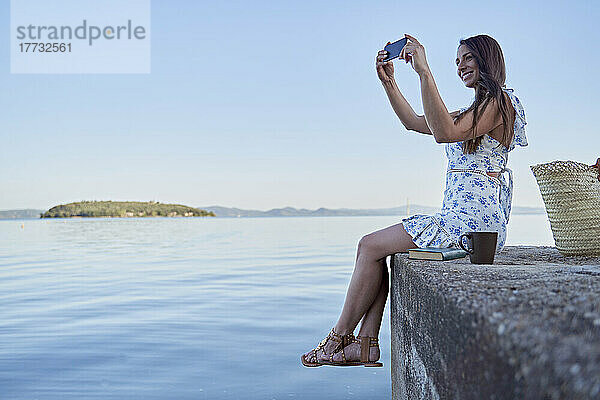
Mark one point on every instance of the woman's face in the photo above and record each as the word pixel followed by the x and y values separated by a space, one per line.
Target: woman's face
pixel 466 66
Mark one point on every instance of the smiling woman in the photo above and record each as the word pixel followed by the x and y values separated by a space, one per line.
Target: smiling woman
pixel 483 50
pixel 478 139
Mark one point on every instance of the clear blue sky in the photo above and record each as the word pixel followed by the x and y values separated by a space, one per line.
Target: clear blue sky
pixel 267 104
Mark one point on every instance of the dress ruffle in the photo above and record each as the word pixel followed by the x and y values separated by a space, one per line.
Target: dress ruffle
pixel 520 121
pixel 427 231
pixel 519 137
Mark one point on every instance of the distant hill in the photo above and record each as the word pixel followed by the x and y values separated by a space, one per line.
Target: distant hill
pixel 290 212
pixel 20 214
pixel 328 212
pixel 123 209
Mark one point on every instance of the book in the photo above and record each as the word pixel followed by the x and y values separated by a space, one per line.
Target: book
pixel 434 253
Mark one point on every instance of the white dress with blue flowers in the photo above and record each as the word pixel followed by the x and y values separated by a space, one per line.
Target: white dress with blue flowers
pixel 473 200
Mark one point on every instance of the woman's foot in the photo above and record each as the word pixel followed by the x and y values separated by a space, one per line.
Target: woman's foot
pixel 356 353
pixel 333 343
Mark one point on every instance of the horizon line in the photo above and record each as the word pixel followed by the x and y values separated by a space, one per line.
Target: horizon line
pixel 275 208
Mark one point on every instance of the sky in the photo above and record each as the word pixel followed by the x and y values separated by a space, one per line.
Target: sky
pixel 264 104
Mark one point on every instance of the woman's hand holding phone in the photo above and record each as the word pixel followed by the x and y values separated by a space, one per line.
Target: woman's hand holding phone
pixel 415 53
pixel 410 50
pixel 385 69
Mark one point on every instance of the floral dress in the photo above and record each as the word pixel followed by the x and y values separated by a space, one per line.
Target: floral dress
pixel 473 200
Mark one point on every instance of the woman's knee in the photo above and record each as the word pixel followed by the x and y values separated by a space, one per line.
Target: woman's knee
pixel 382 243
pixel 368 245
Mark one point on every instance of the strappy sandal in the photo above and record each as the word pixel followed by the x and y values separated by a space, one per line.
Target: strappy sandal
pixel 366 342
pixel 341 340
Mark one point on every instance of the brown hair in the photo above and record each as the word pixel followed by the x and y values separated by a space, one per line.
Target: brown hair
pixel 492 74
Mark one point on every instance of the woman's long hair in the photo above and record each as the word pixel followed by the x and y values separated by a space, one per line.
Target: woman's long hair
pixel 492 74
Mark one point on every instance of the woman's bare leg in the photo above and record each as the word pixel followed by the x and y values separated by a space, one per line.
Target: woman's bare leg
pixel 369 285
pixel 378 244
pixel 371 322
pixel 366 281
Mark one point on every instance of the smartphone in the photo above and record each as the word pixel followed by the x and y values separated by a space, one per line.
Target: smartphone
pixel 394 49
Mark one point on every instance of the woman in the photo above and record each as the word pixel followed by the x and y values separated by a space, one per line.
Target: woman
pixel 478 139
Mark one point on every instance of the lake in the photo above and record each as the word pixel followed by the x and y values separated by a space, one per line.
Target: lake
pixel 185 308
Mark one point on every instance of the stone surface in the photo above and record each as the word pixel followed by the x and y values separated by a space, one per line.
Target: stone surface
pixel 526 327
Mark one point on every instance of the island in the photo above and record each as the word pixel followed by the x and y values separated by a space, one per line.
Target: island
pixel 123 209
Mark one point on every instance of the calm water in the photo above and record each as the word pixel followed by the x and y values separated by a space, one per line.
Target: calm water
pixel 184 308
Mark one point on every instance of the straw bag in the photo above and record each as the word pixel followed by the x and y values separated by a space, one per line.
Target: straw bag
pixel 571 193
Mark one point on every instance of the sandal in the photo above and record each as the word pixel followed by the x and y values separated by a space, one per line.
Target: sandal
pixel 341 340
pixel 366 342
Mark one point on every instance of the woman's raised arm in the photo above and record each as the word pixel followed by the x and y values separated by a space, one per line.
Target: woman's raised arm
pixel 439 120
pixel 406 114
pixel 403 110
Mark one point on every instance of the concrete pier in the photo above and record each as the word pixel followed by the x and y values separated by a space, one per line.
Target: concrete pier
pixel 526 327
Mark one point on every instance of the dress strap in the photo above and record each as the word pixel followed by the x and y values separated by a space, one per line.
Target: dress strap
pixel 506 190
